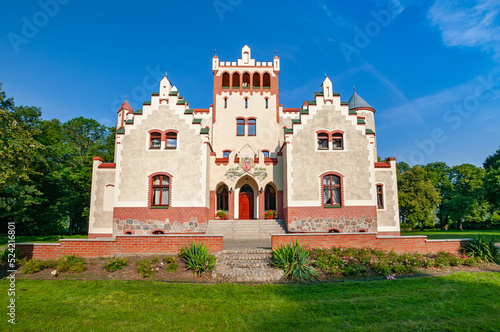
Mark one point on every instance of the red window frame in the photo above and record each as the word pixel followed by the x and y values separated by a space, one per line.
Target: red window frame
pixel 240 124
pixel 153 136
pixel 252 124
pixel 331 187
pixel 161 186
pixel 170 135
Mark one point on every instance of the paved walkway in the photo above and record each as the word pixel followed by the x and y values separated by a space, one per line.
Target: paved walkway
pixel 247 244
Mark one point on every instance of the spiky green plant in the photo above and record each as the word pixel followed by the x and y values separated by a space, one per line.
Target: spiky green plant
pixel 480 247
pixel 294 260
pixel 198 258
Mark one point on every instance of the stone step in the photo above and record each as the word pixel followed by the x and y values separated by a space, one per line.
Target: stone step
pixel 252 265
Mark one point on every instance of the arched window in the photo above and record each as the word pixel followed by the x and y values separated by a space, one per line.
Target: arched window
pixel 270 198
pixel 225 81
pixel 331 190
pixel 171 141
pixel 226 154
pixel 333 230
pixel 252 127
pixel 267 102
pixel 380 196
pixel 337 141
pixel 246 80
pixel 236 81
pixel 128 233
pixel 222 198
pixel 154 140
pixel 240 127
pixel 256 80
pixel 158 232
pixel 265 153
pixel 160 188
pixel 225 102
pixel 322 141
pixel 246 102
pixel 266 80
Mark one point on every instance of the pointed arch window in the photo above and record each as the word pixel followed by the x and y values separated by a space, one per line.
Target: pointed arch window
pixel 332 190
pixel 270 198
pixel 222 198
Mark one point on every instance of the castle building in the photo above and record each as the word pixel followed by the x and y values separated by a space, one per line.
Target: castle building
pixel 315 167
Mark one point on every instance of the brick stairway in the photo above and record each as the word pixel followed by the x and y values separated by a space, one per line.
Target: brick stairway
pixel 252 265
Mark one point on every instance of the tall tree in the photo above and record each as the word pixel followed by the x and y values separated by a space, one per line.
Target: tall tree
pixel 418 199
pixel 492 180
pixel 440 175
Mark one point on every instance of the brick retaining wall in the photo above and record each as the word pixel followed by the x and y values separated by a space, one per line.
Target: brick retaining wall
pixel 399 244
pixel 122 244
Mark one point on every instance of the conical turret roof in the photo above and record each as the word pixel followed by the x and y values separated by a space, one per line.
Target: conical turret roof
pixel 356 102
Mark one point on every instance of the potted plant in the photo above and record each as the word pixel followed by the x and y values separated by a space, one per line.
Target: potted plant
pixel 221 214
pixel 271 214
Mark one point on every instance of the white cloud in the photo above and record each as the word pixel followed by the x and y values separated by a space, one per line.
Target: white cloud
pixel 468 23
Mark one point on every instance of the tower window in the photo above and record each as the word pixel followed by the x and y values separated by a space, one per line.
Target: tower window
pixel 256 80
pixel 225 102
pixel 236 81
pixel 266 80
pixel 267 102
pixel 252 130
pixel 240 127
pixel 246 80
pixel 225 80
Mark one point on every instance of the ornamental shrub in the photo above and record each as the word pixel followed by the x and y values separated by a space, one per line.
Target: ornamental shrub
pixel 36 265
pixel 198 258
pixel 71 264
pixel 295 262
pixel 483 249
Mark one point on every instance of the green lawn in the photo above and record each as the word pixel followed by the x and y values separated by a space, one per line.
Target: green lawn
pixel 462 301
pixel 458 234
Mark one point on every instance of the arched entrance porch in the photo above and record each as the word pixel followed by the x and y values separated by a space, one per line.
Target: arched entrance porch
pixel 246 198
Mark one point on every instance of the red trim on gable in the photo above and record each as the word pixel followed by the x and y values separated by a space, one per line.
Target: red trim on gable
pixel 382 165
pixel 107 165
pixel 201 110
pixel 97 158
pixel 223 161
pixel 291 110
pixel 363 109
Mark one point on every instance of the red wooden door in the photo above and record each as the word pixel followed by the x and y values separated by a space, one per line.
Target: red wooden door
pixel 246 203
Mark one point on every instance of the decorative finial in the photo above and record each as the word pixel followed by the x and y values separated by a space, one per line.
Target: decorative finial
pixel 165 73
pixel 275 53
pixel 325 75
pixel 354 88
pixel 215 52
pixel 125 97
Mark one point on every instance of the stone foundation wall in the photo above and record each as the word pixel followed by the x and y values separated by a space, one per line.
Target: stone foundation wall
pixel 137 227
pixel 352 225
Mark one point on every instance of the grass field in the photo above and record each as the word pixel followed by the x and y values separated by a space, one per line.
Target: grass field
pixel 458 234
pixel 462 301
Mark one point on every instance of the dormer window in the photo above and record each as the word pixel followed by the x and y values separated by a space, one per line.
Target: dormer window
pixel 226 154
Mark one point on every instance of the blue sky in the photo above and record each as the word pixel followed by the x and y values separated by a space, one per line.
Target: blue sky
pixel 431 69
